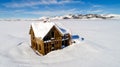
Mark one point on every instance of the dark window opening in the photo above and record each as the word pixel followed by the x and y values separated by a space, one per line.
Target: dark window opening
pixel 46 38
pixel 64 43
pixel 52 34
pixel 53 47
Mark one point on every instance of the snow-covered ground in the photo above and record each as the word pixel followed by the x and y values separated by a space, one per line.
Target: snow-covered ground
pixel 101 47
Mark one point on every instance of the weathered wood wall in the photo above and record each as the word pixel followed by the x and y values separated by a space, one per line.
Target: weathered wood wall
pixel 52 41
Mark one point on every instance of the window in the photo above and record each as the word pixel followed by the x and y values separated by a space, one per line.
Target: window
pixel 53 47
pixel 52 34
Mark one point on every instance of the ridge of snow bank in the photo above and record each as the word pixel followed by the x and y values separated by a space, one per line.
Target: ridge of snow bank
pixel 100 48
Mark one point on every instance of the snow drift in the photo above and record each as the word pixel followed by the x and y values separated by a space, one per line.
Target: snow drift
pixel 100 49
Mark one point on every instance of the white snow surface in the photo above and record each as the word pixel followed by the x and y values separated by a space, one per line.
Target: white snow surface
pixel 101 47
pixel 42 28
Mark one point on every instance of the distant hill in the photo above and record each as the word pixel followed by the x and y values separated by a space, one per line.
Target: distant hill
pixel 69 16
pixel 86 16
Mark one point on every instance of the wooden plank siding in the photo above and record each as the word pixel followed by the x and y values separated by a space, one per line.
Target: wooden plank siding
pixel 55 41
pixel 52 41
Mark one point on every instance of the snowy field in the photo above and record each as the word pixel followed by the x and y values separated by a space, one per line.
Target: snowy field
pixel 101 47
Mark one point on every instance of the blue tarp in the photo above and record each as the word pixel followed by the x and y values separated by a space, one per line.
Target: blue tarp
pixel 75 37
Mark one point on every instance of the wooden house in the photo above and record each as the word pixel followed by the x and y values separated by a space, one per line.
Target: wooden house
pixel 47 36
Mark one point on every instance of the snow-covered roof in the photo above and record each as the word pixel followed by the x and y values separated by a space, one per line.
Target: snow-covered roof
pixel 41 29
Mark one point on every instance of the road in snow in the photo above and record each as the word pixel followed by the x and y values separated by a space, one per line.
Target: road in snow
pixel 101 47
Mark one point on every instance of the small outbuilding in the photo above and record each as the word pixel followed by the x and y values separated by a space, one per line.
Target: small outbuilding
pixel 48 36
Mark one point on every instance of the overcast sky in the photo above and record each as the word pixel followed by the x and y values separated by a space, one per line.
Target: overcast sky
pixel 38 8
